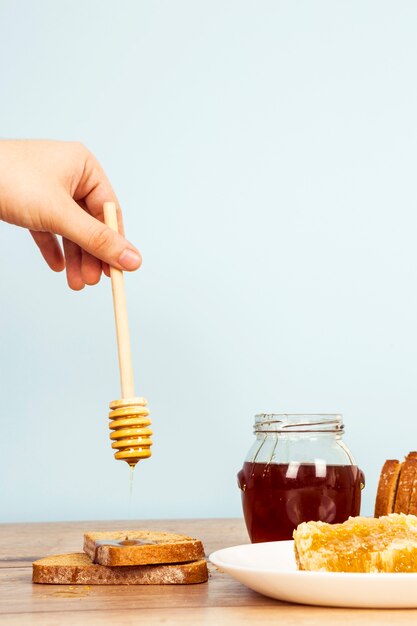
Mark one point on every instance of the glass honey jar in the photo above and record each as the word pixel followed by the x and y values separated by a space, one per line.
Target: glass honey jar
pixel 297 470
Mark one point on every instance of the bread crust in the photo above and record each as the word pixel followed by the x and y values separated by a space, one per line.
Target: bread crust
pixel 387 487
pixel 412 509
pixel 405 485
pixel 77 569
pixel 165 548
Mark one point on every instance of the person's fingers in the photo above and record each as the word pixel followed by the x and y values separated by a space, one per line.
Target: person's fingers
pixel 94 189
pixel 73 264
pixel 90 268
pixel 50 249
pixel 96 238
pixel 106 269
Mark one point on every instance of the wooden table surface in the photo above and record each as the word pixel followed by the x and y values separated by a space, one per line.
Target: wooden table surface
pixel 221 601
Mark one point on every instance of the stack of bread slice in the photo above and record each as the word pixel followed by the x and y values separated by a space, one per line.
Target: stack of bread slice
pixel 133 557
pixel 397 487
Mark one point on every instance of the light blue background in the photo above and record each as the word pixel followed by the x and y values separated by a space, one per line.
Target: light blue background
pixel 265 154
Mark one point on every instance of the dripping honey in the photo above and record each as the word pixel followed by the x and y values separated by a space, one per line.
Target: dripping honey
pixel 120 544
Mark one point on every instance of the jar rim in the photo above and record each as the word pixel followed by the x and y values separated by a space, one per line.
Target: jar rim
pixel 298 422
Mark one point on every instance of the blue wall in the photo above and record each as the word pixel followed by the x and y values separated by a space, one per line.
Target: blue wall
pixel 265 154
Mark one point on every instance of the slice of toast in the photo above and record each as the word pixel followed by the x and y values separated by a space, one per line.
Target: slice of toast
pixel 77 569
pixel 408 476
pixel 413 500
pixel 361 544
pixel 412 509
pixel 141 547
pixel 387 488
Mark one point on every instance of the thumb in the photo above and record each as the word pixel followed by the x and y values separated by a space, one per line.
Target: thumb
pixel 98 239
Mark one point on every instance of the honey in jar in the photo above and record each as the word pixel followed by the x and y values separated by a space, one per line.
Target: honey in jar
pixel 298 470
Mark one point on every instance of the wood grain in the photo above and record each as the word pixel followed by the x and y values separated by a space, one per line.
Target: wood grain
pixel 221 601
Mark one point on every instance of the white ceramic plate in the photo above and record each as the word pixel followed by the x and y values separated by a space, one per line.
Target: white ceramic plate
pixel 270 569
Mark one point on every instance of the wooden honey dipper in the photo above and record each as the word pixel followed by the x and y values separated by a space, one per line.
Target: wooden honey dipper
pixel 129 419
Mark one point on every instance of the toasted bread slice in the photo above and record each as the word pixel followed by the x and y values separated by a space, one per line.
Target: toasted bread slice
pixel 387 487
pixel 412 508
pixel 408 476
pixel 141 547
pixel 361 544
pixel 77 569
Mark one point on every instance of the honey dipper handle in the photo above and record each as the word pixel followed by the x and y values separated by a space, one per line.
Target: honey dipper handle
pixel 120 313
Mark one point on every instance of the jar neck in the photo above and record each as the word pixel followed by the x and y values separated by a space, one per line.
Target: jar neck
pixel 299 424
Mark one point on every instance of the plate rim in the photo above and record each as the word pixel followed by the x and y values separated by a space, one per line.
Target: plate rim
pixel 303 573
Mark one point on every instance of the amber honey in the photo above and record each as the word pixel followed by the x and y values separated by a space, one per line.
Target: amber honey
pixel 126 542
pixel 276 497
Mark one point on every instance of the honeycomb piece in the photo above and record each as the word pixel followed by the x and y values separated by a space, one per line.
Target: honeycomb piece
pixel 361 544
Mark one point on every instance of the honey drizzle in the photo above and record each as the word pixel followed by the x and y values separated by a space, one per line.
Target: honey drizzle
pixel 132 468
pixel 126 542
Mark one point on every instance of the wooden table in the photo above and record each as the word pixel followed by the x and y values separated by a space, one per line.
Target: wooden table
pixel 221 601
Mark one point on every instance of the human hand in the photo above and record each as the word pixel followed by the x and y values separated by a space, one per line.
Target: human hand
pixel 58 188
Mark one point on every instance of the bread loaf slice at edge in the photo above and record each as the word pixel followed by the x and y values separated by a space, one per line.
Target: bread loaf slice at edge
pixel 412 507
pixel 165 548
pixel 387 487
pixel 406 481
pixel 77 569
